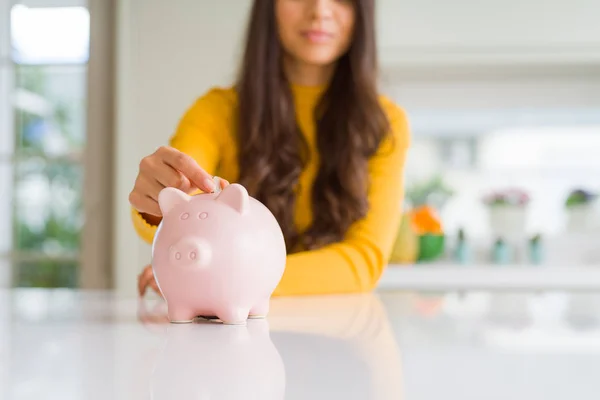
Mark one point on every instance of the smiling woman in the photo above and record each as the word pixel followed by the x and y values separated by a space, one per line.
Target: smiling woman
pixel 313 42
pixel 305 130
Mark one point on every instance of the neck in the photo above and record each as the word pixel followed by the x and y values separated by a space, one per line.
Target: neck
pixel 303 74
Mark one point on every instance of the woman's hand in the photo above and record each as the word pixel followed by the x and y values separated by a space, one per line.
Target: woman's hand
pixel 145 279
pixel 167 167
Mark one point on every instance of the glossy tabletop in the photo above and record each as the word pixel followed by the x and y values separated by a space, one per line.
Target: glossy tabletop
pixel 389 345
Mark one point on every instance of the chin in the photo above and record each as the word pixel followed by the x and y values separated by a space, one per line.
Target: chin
pixel 316 57
pixel 319 61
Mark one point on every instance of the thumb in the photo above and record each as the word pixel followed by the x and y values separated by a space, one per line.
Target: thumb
pixel 186 185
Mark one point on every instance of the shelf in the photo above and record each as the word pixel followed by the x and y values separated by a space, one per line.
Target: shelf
pixel 411 58
pixel 513 277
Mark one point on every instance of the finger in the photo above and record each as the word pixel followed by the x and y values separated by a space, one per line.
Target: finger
pixel 144 204
pixel 153 167
pixel 154 287
pixel 145 277
pixel 150 187
pixel 152 207
pixel 141 279
pixel 224 183
pixel 168 176
pixel 141 288
pixel 186 185
pixel 145 282
pixel 188 167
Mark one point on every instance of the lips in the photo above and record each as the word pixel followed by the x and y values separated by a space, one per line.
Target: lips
pixel 317 36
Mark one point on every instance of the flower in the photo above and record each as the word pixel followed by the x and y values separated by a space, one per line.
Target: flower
pixel 507 197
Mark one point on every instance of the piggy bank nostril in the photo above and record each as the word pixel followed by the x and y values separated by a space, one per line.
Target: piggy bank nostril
pixel 193 255
pixel 178 256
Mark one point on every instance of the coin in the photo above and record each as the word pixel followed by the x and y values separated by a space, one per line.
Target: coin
pixel 217 182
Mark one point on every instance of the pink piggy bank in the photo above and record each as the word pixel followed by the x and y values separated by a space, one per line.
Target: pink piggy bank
pixel 217 254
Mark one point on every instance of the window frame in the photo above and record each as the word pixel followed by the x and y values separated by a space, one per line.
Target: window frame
pixel 6 139
pixel 94 255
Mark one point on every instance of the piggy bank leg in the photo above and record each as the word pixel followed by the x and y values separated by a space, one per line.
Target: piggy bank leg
pixel 260 310
pixel 233 315
pixel 179 315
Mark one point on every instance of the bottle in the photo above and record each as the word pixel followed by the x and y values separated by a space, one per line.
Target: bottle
pixel 501 252
pixel 462 252
pixel 536 250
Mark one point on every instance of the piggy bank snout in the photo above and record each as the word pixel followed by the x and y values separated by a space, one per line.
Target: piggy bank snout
pixel 190 251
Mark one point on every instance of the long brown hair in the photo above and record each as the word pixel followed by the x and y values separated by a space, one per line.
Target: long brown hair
pixel 350 125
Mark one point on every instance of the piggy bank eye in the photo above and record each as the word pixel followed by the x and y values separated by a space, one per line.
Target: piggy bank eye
pixel 185 216
pixel 193 255
pixel 202 215
pixel 178 256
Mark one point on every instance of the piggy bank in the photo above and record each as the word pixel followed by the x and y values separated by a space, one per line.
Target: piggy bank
pixel 217 255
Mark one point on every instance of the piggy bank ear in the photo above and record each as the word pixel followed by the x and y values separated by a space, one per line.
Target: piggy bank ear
pixel 236 197
pixel 169 198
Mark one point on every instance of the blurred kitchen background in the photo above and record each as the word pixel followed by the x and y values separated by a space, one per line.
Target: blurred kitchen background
pixel 503 100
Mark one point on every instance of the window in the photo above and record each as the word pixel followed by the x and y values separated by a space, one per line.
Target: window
pixel 43 105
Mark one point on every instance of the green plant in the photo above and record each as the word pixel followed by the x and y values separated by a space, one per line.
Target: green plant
pixel 579 197
pixel 430 192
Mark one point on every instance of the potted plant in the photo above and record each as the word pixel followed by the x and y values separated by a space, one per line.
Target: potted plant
pixel 426 199
pixel 580 210
pixel 507 212
pixel 428 226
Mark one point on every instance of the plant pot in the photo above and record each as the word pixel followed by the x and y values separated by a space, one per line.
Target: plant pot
pixel 507 221
pixel 431 247
pixel 581 218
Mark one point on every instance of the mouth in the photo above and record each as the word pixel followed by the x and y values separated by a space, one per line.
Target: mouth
pixel 317 35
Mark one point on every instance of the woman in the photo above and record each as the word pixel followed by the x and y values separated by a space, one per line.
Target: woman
pixel 307 134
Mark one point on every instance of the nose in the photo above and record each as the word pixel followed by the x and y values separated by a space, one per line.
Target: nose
pixel 190 251
pixel 321 9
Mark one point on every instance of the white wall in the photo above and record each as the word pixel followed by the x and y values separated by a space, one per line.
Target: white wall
pixel 415 31
pixel 169 53
pixel 508 23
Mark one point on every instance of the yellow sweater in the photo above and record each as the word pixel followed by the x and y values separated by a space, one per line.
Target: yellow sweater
pixel 206 132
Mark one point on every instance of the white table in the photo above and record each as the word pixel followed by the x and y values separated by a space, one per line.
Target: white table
pixel 390 345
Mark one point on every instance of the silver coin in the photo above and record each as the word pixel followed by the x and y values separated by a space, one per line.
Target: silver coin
pixel 217 182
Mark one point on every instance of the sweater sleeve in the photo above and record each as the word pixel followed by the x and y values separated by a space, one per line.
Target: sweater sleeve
pixel 356 263
pixel 199 135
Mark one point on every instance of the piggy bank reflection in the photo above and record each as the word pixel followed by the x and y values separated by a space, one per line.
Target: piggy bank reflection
pixel 211 361
pixel 337 347
pixel 217 254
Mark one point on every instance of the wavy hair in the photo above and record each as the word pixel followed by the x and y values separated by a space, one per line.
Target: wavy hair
pixel 350 125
